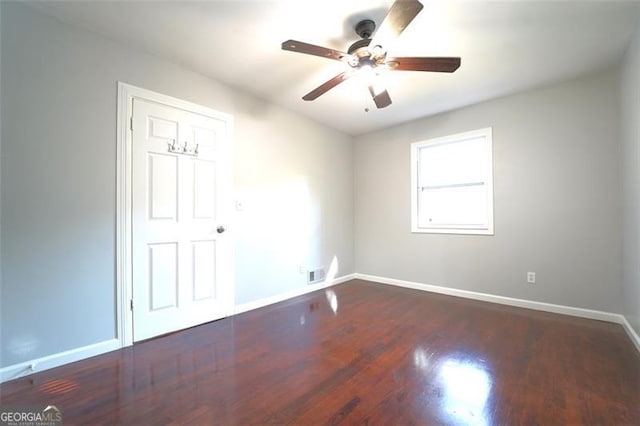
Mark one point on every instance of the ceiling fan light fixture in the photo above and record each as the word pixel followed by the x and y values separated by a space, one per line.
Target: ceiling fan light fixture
pixel 371 75
pixel 377 52
pixel 366 73
pixel 350 60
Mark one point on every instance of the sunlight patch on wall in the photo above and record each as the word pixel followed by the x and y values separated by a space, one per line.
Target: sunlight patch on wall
pixel 274 231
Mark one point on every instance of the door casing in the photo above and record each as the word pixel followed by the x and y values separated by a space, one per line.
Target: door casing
pixel 124 281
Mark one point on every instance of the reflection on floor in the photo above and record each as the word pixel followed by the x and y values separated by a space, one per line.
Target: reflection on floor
pixel 358 353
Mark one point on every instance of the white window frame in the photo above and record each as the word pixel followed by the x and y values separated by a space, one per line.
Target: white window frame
pixel 486 133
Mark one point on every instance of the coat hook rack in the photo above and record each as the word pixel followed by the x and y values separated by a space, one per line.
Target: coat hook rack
pixel 185 149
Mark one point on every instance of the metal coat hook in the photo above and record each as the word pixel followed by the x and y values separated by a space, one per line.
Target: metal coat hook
pixel 184 149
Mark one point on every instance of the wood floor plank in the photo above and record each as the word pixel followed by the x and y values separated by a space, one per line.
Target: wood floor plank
pixel 380 355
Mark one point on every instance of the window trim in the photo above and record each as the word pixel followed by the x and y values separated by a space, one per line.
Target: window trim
pixel 487 133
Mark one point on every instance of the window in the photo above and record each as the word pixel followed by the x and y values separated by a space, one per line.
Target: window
pixel 452 184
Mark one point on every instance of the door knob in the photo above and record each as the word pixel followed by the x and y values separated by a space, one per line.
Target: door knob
pixel 220 229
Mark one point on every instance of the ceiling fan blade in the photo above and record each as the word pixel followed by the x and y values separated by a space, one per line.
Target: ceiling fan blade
pixel 382 99
pixel 398 18
pixel 312 49
pixel 423 64
pixel 325 87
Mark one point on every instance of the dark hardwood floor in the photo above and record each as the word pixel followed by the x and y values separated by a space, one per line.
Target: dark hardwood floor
pixel 358 353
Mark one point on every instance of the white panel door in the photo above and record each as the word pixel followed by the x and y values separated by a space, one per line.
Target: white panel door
pixel 181 193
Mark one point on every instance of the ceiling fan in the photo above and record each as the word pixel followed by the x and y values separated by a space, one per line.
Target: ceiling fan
pixel 369 57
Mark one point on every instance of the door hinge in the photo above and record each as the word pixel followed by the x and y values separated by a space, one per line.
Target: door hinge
pixel 131 304
pixel 131 123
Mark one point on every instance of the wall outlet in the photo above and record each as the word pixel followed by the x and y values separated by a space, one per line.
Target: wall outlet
pixel 531 277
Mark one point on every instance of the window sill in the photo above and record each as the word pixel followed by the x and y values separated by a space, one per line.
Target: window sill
pixel 458 231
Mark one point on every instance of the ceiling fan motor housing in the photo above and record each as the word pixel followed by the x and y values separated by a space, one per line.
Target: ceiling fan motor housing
pixel 357 48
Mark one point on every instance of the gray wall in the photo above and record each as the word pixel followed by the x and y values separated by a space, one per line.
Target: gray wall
pixel 556 185
pixel 556 172
pixel 58 176
pixel 630 158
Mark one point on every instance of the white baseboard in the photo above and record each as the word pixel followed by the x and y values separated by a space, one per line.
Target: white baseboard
pixel 249 306
pixel 631 332
pixel 50 361
pixel 55 360
pixel 24 368
pixel 521 303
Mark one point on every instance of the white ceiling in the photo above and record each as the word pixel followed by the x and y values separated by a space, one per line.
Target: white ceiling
pixel 506 46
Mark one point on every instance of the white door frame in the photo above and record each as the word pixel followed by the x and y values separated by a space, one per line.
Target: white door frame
pixel 124 279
